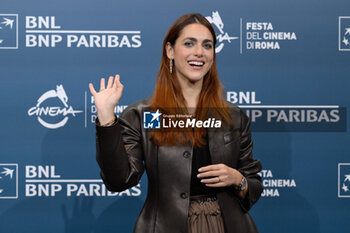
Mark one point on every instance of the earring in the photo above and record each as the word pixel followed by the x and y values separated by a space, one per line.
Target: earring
pixel 171 66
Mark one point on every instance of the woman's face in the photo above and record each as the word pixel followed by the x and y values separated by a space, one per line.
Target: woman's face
pixel 193 53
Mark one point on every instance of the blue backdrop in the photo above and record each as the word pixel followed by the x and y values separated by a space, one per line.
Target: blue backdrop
pixel 285 63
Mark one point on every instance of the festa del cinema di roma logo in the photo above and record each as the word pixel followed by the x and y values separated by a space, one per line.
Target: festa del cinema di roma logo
pixel 42 111
pixel 258 35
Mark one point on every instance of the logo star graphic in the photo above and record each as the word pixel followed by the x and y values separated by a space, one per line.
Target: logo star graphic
pixel 156 115
pixel 347 177
pixel 1 190
pixel 345 188
pixel 345 41
pixel 8 22
pixel 8 172
pixel 347 31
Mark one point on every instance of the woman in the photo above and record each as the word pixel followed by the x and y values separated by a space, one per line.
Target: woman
pixel 198 180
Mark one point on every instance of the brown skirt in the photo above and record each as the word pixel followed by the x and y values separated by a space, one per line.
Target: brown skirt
pixel 204 216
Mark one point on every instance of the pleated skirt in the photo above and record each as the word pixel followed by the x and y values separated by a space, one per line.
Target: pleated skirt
pixel 204 215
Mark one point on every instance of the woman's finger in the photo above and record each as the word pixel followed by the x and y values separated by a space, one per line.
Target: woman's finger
pixel 210 173
pixel 110 82
pixel 213 180
pixel 210 167
pixel 216 185
pixel 117 81
pixel 92 89
pixel 102 84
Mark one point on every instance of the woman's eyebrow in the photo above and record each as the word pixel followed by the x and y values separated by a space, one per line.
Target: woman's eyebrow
pixel 207 40
pixel 191 38
pixel 195 40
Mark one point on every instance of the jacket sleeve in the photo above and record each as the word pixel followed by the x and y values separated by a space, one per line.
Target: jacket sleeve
pixel 119 152
pixel 248 166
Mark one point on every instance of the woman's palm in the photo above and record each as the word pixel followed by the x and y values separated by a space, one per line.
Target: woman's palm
pixel 108 97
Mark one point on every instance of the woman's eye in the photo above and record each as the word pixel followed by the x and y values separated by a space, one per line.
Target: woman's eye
pixel 207 46
pixel 188 44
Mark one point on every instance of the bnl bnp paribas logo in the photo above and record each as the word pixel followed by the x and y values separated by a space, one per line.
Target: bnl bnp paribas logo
pixel 52 109
pixel 8 181
pixel 344 180
pixel 222 36
pixel 151 120
pixel 344 33
pixel 8 31
pixel 44 31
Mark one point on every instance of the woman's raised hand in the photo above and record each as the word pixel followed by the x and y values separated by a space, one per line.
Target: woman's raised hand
pixel 107 98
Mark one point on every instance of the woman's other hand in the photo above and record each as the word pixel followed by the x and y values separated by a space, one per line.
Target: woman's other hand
pixel 221 175
pixel 107 98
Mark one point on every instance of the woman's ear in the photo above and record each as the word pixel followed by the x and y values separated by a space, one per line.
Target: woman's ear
pixel 169 50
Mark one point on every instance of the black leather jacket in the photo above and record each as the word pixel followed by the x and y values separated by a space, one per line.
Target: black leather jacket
pixel 124 151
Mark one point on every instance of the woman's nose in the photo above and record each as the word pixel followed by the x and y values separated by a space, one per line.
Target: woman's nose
pixel 199 51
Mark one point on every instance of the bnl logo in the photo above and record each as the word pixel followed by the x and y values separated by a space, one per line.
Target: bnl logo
pixel 344 180
pixel 151 120
pixel 8 181
pixel 344 33
pixel 8 31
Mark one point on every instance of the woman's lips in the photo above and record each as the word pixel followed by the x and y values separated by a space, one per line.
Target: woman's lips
pixel 196 65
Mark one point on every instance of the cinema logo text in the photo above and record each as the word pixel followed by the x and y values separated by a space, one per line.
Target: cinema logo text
pixel 43 31
pixel 157 120
pixel 263 36
pixel 53 112
pixel 272 185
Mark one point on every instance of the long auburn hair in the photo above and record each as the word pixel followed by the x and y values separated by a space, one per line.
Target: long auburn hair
pixel 168 94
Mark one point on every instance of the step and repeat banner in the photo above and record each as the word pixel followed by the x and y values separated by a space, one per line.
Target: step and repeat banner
pixel 285 63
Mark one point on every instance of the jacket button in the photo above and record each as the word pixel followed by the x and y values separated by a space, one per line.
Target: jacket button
pixel 184 195
pixel 186 154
